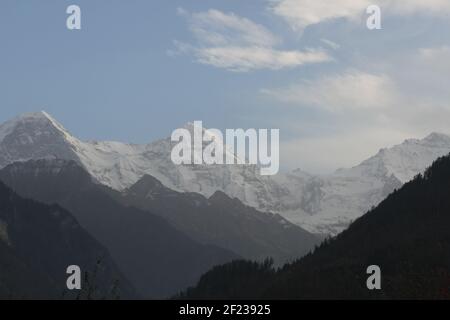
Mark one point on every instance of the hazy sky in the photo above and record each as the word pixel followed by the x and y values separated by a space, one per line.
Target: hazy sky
pixel 139 69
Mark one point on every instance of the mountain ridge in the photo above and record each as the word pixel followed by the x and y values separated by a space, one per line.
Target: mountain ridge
pixel 222 221
pixel 323 204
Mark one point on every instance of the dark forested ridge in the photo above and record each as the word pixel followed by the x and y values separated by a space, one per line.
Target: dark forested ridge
pixel 37 244
pixel 407 236
pixel 158 259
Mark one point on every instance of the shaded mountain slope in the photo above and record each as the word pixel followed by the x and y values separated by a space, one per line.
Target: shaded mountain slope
pixel 157 258
pixel 223 221
pixel 37 244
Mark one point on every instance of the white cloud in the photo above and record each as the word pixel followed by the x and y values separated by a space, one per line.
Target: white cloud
pixel 251 58
pixel 216 28
pixel 234 43
pixel 303 13
pixel 350 90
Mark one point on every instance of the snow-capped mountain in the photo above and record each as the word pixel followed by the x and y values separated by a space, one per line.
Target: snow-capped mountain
pixel 321 204
pixel 328 203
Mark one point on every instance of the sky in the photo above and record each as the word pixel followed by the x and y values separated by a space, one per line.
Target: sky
pixel 139 69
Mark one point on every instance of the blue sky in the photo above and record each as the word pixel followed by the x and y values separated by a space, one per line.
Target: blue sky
pixel 139 69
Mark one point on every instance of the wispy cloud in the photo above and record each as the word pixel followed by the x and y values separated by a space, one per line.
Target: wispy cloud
pixel 303 13
pixel 234 43
pixel 216 28
pixel 350 90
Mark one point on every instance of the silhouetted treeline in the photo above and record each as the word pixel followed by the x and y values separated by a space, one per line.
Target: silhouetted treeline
pixel 240 278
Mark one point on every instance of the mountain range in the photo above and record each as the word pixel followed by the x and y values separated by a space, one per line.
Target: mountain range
pixel 322 204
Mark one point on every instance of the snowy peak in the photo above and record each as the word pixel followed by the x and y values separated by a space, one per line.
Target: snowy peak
pixel 33 123
pixel 31 118
pixel 327 204
pixel 413 156
pixel 436 138
pixel 35 136
pixel 209 135
pixel 8 127
pixel 58 126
